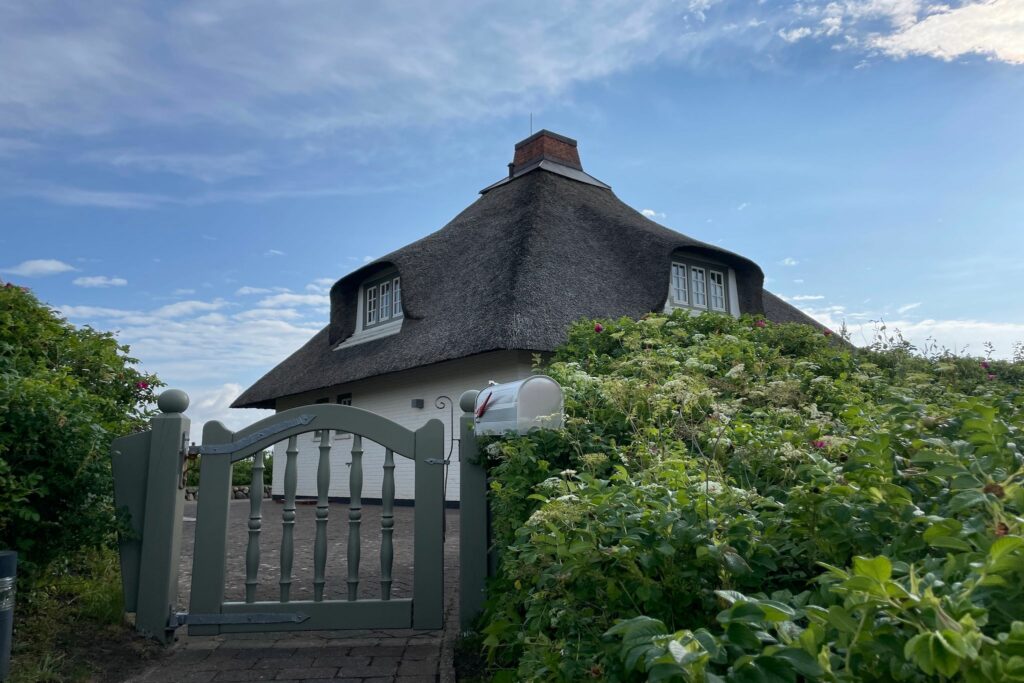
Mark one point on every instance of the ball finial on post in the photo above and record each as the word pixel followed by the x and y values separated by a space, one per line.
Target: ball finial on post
pixel 172 401
pixel 468 401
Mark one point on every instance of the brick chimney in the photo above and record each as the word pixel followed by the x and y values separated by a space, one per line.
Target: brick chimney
pixel 545 145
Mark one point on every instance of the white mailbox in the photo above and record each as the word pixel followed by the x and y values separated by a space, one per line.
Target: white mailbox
pixel 531 403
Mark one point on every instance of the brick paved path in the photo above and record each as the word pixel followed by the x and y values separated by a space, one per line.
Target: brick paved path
pixel 364 656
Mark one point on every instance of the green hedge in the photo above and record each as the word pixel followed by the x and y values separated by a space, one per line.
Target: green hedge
pixel 734 500
pixel 65 393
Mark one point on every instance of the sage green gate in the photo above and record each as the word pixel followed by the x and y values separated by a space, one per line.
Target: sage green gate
pixel 209 613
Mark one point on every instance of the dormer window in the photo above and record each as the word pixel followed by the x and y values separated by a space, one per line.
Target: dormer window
pixel 698 285
pixel 382 300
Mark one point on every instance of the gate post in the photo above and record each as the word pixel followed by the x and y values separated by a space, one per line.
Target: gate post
pixel 474 541
pixel 161 535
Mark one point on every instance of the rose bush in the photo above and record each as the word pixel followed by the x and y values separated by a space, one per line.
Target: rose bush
pixel 735 500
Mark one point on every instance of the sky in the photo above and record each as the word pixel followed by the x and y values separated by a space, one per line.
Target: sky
pixel 195 175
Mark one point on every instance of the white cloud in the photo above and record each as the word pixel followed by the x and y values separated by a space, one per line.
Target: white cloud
pixel 798 281
pixel 183 292
pixel 209 168
pixel 742 206
pixel 186 308
pixel 295 300
pixel 320 285
pixel 99 281
pixel 794 35
pixel 789 261
pixel 252 290
pixel 38 268
pixel 994 28
pixel 909 307
pixel 807 297
pixel 214 403
pixel 269 314
pixel 959 336
pixel 652 214
pixel 274 252
pixel 85 312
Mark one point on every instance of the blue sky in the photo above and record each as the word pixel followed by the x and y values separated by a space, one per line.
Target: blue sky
pixel 196 175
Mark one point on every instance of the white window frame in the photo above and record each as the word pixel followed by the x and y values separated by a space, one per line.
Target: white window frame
pixel 396 298
pixel 385 301
pixel 703 280
pixel 680 295
pixel 709 272
pixel 371 306
pixel 721 284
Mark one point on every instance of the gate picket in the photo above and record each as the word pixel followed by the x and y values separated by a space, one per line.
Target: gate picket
pixel 288 517
pixel 355 515
pixel 387 524
pixel 323 482
pixel 252 550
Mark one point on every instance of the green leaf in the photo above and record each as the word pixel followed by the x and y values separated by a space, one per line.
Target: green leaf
pixel 776 611
pixel 801 661
pixel 1004 545
pixel 841 620
pixel 965 500
pixel 951 543
pixel 877 568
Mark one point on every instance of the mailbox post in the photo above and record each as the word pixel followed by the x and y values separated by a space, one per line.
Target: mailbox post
pixel 517 408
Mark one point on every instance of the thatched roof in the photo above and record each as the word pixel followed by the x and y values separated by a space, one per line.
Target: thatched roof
pixel 530 256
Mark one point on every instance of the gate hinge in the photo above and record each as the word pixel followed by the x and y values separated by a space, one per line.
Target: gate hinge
pixel 182 618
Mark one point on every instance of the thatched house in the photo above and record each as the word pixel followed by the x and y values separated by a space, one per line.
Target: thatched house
pixel 543 247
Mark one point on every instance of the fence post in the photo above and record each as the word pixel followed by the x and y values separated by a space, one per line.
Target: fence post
pixel 473 518
pixel 161 535
pixel 8 586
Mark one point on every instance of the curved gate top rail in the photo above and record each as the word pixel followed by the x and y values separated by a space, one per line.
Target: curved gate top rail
pixel 311 418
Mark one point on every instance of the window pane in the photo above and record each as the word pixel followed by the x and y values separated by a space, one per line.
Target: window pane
pixel 699 287
pixel 717 281
pixel 680 294
pixel 371 305
pixel 397 308
pixel 385 300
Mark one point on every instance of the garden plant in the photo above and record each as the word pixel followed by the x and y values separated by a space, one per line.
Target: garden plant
pixel 65 393
pixel 736 500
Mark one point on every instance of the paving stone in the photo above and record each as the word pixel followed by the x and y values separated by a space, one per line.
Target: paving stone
pixel 222 664
pixel 379 651
pixel 247 675
pixel 307 672
pixel 297 662
pixel 368 671
pixel 419 667
pixel 343 661
pixel 245 645
pixel 416 679
pixel 269 653
pixel 176 675
pixel 420 651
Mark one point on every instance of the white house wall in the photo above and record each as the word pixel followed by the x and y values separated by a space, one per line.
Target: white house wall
pixel 391 396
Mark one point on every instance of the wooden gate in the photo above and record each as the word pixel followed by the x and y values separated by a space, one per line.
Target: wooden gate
pixel 208 611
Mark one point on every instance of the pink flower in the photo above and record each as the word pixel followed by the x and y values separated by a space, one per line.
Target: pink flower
pixel 991 376
pixel 828 333
pixel 985 364
pixel 759 323
pixel 818 443
pixel 142 385
pixel 598 327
